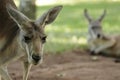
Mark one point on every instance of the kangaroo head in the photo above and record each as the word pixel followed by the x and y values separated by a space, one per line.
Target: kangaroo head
pixel 31 36
pixel 95 28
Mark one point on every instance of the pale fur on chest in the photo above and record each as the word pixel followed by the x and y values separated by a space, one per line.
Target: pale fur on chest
pixel 113 45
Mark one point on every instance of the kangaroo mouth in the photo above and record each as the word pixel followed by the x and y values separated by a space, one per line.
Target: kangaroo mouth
pixel 98 36
pixel 36 59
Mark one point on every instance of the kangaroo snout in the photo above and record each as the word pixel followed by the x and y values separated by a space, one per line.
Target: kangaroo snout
pixel 36 58
pixel 98 35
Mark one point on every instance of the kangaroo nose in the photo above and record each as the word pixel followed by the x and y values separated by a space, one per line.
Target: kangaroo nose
pixel 98 35
pixel 36 58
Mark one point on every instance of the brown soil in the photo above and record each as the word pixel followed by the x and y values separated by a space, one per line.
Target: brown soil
pixel 71 65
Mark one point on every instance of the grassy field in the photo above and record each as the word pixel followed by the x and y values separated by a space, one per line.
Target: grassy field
pixel 69 30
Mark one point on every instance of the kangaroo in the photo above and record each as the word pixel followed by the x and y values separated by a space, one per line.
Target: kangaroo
pixel 22 38
pixel 98 41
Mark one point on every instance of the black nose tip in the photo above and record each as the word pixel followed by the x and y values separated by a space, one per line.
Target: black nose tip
pixel 98 36
pixel 36 58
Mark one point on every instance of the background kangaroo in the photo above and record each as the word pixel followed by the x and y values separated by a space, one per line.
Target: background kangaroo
pixel 22 38
pixel 98 41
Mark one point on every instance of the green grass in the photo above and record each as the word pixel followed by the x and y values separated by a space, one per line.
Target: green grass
pixel 69 30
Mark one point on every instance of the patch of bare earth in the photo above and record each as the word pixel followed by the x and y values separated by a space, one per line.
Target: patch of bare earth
pixel 71 65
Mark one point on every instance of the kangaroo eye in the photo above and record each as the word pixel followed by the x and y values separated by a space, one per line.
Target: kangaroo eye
pixel 27 39
pixel 44 39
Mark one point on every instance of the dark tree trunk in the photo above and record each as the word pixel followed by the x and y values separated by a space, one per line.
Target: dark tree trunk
pixel 28 7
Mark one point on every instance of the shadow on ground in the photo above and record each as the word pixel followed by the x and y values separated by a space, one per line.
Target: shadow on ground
pixel 70 65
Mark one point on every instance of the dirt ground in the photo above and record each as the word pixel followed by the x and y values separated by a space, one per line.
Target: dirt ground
pixel 71 65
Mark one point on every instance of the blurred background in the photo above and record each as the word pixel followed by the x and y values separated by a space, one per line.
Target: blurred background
pixel 69 30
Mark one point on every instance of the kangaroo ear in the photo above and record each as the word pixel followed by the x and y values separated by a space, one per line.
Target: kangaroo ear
pixel 17 16
pixel 87 15
pixel 102 16
pixel 49 16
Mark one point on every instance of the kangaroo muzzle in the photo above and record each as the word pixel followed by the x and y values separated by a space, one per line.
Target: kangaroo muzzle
pixel 36 58
pixel 98 35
